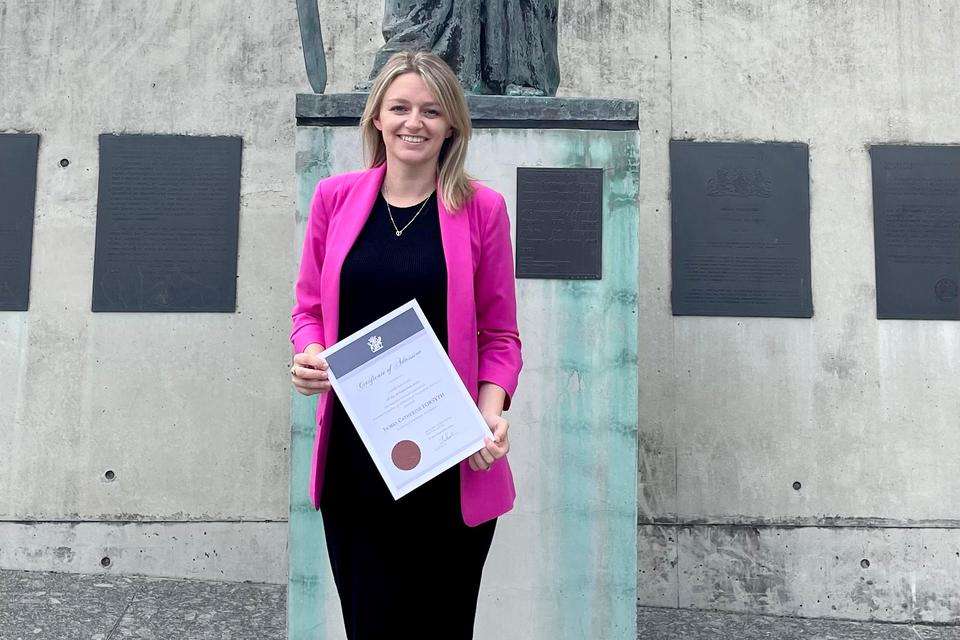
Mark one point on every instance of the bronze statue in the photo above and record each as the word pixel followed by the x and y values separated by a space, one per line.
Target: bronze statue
pixel 494 46
pixel 312 39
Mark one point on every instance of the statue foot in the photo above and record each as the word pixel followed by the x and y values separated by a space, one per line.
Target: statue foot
pixel 522 90
pixel 363 86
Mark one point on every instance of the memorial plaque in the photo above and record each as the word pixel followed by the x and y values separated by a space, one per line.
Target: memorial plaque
pixel 167 223
pixel 18 189
pixel 559 223
pixel 916 221
pixel 741 229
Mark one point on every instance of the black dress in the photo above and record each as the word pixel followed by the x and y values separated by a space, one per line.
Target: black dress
pixel 408 568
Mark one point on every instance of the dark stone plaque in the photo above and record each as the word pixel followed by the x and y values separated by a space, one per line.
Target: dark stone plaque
pixel 916 221
pixel 559 223
pixel 167 223
pixel 741 229
pixel 18 190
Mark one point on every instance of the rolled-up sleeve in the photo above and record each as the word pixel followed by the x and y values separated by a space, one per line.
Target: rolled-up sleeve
pixel 498 339
pixel 307 325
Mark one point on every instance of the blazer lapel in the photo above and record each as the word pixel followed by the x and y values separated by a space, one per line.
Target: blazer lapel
pixel 353 215
pixel 455 237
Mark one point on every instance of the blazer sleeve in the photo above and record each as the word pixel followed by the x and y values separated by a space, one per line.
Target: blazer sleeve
pixel 306 315
pixel 498 339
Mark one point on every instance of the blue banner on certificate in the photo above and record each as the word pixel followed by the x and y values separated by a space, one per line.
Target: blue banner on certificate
pixel 405 399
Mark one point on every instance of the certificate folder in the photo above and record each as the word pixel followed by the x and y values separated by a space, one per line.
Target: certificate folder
pixel 405 399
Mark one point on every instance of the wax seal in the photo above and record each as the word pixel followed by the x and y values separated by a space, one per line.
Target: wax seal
pixel 405 455
pixel 946 290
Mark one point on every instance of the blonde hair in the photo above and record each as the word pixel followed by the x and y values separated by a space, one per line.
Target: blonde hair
pixel 454 183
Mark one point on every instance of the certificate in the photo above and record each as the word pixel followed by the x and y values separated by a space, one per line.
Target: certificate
pixel 405 399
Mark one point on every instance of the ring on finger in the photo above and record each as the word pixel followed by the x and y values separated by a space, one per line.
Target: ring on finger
pixel 293 370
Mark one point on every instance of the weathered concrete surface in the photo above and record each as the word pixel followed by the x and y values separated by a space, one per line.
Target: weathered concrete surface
pixel 685 624
pixel 888 574
pixel 657 574
pixel 563 563
pixel 862 413
pixel 55 606
pixel 189 410
pixel 241 551
pixel 909 573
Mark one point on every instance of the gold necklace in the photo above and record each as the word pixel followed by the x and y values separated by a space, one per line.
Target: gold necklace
pixel 394 223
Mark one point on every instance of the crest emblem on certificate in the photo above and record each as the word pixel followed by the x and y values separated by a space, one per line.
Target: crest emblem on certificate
pixel 375 343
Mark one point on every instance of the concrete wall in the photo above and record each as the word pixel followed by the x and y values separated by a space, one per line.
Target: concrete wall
pixel 190 411
pixel 733 411
pixel 862 413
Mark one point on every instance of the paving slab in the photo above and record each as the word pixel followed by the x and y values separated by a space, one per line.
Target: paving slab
pixel 51 605
pixel 57 606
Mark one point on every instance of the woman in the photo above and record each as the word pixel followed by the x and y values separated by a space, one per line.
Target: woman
pixel 410 226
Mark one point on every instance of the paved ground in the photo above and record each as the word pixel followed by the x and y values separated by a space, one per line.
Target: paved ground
pixel 53 606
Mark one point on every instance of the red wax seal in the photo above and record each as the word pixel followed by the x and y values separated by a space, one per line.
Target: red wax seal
pixel 405 455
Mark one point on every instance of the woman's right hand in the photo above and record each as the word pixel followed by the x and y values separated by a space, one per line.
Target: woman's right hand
pixel 309 371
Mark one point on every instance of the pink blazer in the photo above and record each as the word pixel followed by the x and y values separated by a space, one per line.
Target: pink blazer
pixel 483 341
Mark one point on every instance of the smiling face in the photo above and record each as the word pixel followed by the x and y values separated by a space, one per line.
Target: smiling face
pixel 412 123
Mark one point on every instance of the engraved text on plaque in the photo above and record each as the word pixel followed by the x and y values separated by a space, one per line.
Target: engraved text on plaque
pixel 916 216
pixel 559 223
pixel 741 229
pixel 167 223
pixel 18 189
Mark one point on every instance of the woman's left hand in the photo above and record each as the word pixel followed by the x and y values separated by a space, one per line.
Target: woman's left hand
pixel 496 447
